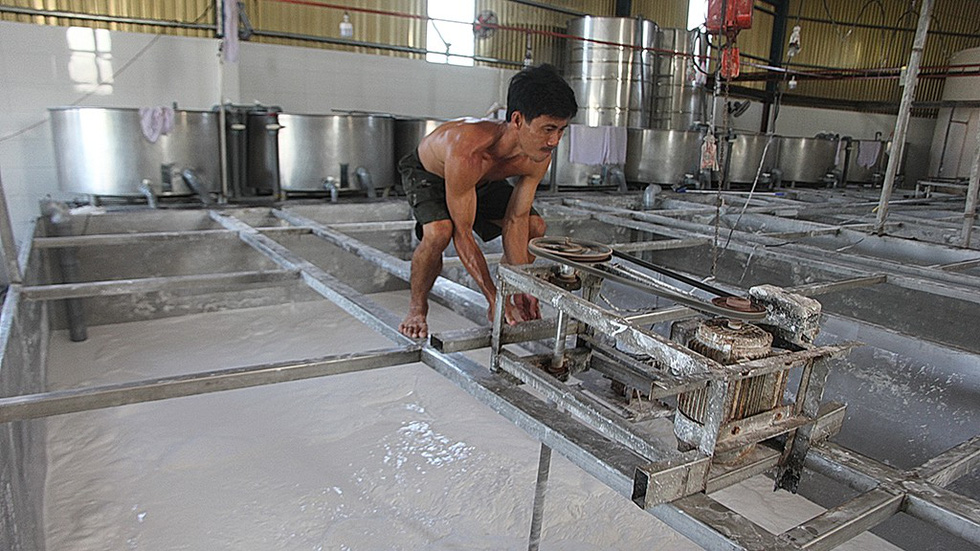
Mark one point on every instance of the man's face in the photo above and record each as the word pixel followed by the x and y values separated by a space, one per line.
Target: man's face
pixel 540 136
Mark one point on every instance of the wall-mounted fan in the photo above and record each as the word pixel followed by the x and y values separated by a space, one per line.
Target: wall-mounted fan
pixel 486 24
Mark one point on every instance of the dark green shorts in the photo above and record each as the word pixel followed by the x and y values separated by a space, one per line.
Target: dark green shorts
pixel 426 194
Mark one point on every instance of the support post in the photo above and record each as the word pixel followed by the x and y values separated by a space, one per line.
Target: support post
pixel 902 124
pixel 970 213
pixel 60 224
pixel 540 487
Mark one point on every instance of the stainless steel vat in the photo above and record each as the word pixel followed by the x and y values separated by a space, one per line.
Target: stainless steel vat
pixel 746 154
pixel 613 77
pixel 807 160
pixel 655 156
pixel 103 152
pixel 409 132
pixel 867 161
pixel 313 148
pixel 679 98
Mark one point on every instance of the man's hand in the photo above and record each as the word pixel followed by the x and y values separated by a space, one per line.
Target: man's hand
pixel 526 307
pixel 518 308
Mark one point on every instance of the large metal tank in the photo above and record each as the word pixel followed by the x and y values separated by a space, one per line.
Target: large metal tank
pixel 807 160
pixel 747 152
pixel 662 156
pixel 954 140
pixel 612 70
pixel 867 161
pixel 313 148
pixel 409 132
pixel 103 152
pixel 679 92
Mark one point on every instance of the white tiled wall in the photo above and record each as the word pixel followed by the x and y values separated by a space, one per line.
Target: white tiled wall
pixel 306 80
pixel 34 75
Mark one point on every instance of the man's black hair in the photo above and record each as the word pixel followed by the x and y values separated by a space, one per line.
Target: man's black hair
pixel 538 91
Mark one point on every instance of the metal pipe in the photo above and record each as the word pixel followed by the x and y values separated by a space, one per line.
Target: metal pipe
pixel 147 191
pixel 540 488
pixel 330 185
pixel 558 354
pixel 107 18
pixel 901 125
pixel 970 213
pixel 197 185
pixel 365 181
pixel 60 220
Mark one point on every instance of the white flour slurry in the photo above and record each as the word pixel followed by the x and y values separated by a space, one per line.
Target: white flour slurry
pixel 395 458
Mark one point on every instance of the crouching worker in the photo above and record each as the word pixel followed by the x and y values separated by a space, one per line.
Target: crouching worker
pixel 456 185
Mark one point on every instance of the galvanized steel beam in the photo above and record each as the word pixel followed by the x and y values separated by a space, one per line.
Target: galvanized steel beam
pixel 33 406
pixel 839 524
pixel 947 467
pixel 106 239
pixel 151 284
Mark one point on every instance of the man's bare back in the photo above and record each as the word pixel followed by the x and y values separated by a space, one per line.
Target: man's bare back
pixel 482 140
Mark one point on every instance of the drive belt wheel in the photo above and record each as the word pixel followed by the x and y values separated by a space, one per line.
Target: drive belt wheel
pixel 566 248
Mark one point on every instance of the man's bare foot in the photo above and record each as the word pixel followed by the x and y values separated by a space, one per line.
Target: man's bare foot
pixel 414 326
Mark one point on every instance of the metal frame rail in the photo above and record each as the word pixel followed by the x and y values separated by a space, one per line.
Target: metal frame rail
pixel 619 462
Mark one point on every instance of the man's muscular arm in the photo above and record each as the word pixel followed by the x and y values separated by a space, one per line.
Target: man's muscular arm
pixel 463 172
pixel 515 238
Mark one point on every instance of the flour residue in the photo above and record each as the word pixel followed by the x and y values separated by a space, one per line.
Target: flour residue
pixel 389 459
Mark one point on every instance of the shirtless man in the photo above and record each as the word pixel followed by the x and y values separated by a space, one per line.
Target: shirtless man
pixel 455 183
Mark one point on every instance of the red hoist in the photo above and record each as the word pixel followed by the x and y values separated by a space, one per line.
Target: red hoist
pixel 728 17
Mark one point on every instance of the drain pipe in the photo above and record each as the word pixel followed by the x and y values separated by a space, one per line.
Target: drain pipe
pixel 902 124
pixel 364 181
pixel 330 185
pixel 147 191
pixel 60 224
pixel 196 184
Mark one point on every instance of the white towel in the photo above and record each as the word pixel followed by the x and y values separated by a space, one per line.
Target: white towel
pixel 596 145
pixel 585 144
pixel 614 145
pixel 868 153
pixel 156 122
